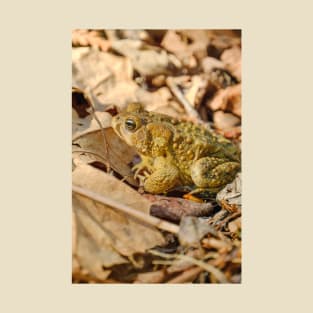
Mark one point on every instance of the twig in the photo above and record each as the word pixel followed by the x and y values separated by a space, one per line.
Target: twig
pixel 89 152
pixel 206 266
pixel 105 142
pixel 182 99
pixel 229 218
pixel 151 220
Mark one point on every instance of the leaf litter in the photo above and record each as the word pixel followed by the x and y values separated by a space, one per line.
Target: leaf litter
pixel 121 234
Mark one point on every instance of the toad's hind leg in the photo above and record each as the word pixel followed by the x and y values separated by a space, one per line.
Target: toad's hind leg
pixel 213 173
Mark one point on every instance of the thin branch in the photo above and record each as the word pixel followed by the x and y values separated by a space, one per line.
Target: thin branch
pixel 183 100
pixel 105 142
pixel 151 220
pixel 206 266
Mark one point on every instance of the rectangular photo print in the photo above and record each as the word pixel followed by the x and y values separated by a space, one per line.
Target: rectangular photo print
pixel 156 156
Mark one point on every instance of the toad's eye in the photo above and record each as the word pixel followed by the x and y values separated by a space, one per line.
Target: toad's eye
pixel 130 124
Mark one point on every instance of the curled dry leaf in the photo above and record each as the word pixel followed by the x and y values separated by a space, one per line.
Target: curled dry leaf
pixel 99 72
pixel 187 276
pixel 93 252
pixel 104 235
pixel 228 99
pixel 232 60
pixel 151 277
pixel 220 41
pixel 193 93
pixel 153 100
pixel 92 148
pixel 230 196
pixel 94 38
pixel 235 225
pixel 175 44
pixel 198 41
pixel 88 124
pixel 225 121
pixel 192 230
pixel 147 60
pixel 80 103
pixel 93 144
pixel 209 64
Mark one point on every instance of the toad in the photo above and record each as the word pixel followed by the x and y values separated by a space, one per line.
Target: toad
pixel 176 153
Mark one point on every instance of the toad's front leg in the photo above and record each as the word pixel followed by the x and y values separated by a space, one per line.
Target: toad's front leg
pixel 164 177
pixel 145 164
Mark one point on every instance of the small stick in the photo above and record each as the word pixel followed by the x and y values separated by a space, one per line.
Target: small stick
pixel 105 142
pixel 151 220
pixel 218 274
pixel 183 100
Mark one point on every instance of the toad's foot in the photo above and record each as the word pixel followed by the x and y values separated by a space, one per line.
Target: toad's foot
pixel 144 164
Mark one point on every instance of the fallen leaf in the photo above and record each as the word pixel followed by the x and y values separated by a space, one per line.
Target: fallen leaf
pixel 103 235
pixel 99 72
pixel 175 44
pixel 89 124
pixel 150 277
pixel 192 230
pixel 93 144
pixel 94 38
pixel 209 63
pixel 225 120
pixel 220 41
pixel 228 99
pixel 234 225
pixel 232 60
pixel 231 193
pixel 94 251
pixel 146 60
pixel 198 41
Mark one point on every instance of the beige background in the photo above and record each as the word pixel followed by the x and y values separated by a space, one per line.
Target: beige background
pixel 35 157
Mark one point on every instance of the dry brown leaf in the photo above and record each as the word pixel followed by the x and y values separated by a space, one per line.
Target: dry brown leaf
pixel 221 40
pixel 105 235
pixel 234 225
pixel 81 104
pixel 147 60
pixel 151 277
pixel 175 44
pixel 199 41
pixel 231 193
pixel 225 121
pixel 232 60
pixel 99 72
pixel 91 144
pixel 120 93
pixel 94 38
pixel 102 183
pixel 88 124
pixel 94 251
pixel 192 230
pixel 228 99
pixel 209 63
pixel 152 100
pixel 187 276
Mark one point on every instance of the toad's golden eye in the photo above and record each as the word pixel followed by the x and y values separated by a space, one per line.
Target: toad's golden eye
pixel 130 124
